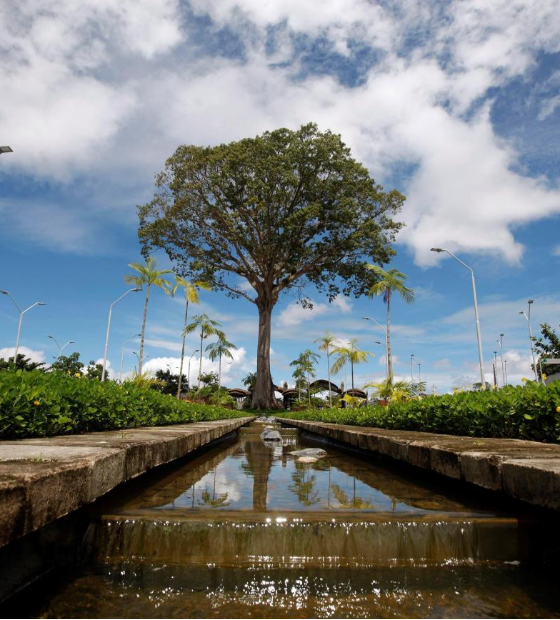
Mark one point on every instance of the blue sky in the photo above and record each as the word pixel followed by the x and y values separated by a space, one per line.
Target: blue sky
pixel 455 104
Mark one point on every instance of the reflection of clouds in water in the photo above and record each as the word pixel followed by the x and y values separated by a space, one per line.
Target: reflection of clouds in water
pixel 223 485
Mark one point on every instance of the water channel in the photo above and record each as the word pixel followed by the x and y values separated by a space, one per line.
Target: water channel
pixel 246 529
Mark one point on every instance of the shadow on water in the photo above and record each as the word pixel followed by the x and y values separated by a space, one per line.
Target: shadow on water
pixel 246 529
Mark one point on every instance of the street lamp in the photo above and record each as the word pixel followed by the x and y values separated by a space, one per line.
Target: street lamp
pixel 122 354
pixel 505 370
pixel 60 348
pixel 130 290
pixel 419 373
pixel 411 373
pixel 6 149
pixel 384 330
pixel 189 368
pixel 478 337
pixel 531 340
pixel 21 313
pixel 501 345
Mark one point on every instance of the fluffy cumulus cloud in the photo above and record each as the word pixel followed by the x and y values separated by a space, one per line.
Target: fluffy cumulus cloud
pixel 32 354
pixel 232 370
pixel 123 78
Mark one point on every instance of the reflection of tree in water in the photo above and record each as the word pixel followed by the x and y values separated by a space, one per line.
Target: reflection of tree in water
pixel 304 483
pixel 211 500
pixel 346 502
pixel 259 463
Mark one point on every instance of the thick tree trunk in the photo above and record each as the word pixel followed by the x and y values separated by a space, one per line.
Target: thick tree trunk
pixel 389 355
pixel 141 356
pixel 263 394
pixel 183 348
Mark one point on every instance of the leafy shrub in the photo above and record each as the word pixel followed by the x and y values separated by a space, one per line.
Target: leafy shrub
pixel 38 404
pixel 522 412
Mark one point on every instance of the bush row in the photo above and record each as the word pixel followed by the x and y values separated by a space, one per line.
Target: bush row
pixel 530 412
pixel 38 404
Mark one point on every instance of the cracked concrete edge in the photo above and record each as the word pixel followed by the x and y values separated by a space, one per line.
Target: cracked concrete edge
pixel 525 470
pixel 44 479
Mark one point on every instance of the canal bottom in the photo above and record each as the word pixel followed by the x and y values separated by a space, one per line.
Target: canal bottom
pixel 247 529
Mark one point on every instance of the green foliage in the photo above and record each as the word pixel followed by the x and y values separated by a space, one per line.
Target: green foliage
pixel 249 380
pixel 274 212
pixel 169 382
pixel 209 379
pixel 37 404
pixel 397 391
pixel 68 364
pixel 548 346
pixel 518 412
pixel 22 363
pixel 94 371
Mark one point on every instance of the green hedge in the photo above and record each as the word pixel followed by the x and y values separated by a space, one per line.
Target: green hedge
pixel 530 412
pixel 38 404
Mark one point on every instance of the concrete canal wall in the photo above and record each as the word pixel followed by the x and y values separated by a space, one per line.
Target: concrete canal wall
pixel 42 480
pixel 525 470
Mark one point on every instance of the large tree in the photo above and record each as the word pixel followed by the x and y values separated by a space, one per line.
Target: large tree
pixel 260 216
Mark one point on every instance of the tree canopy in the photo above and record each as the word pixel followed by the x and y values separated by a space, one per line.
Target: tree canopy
pixel 284 209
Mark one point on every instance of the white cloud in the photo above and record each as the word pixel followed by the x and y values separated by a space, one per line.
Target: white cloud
pixel 32 354
pixel 232 370
pixel 75 102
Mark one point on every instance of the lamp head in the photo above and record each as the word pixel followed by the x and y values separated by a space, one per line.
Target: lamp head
pixel 4 292
pixel 530 301
pixel 41 303
pixel 437 250
pixel 501 335
pixel 137 289
pixel 6 149
pixel 71 342
pixel 49 336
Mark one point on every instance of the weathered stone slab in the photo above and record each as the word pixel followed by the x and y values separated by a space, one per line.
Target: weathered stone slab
pixel 533 480
pixel 44 479
pixel 526 470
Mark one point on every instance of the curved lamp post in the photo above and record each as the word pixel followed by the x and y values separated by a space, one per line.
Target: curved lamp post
pixel 60 348
pixel 122 354
pixel 478 337
pixel 104 371
pixel 21 313
pixel 189 368
pixel 384 330
pixel 531 339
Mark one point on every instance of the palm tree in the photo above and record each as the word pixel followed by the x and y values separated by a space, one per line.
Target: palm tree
pixel 208 327
pixel 397 391
pixel 351 354
pixel 250 380
pixel 327 345
pixel 305 367
pixel 220 348
pixel 191 296
pixel 391 281
pixel 149 275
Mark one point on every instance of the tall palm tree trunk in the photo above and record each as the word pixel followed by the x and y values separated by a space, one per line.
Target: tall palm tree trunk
pixel 183 348
pixel 200 364
pixel 141 356
pixel 220 372
pixel 388 336
pixel 329 375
